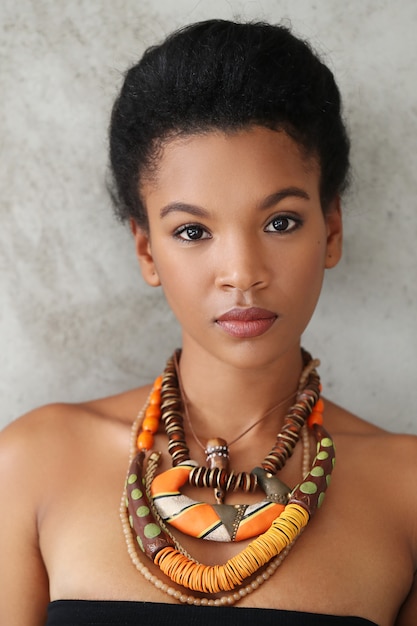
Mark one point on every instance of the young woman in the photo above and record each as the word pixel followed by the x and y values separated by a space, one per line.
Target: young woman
pixel 229 156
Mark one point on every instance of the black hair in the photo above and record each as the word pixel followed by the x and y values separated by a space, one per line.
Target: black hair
pixel 221 75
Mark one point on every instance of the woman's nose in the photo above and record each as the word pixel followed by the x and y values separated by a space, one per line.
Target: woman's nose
pixel 240 265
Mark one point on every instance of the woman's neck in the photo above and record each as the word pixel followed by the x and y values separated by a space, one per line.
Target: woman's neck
pixel 223 400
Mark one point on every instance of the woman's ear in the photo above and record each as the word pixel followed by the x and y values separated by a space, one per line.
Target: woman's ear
pixel 334 227
pixel 144 254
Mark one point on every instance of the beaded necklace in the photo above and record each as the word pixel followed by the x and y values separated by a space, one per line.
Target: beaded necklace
pixel 271 546
pixel 171 412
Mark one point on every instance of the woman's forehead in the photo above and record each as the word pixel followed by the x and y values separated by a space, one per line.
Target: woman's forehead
pixel 252 155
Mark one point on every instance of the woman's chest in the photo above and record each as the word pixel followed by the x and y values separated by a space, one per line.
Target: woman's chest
pixel 350 559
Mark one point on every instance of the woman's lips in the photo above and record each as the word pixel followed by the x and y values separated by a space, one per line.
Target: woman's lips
pixel 246 323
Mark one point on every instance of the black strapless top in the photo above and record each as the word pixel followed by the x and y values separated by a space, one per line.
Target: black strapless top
pixel 112 613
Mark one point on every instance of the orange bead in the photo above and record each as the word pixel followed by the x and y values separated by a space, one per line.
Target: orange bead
pixel 145 440
pixel 319 406
pixel 155 398
pixel 157 382
pixel 153 411
pixel 150 424
pixel 315 418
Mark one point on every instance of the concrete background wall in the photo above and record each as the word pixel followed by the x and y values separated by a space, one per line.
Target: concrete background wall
pixel 76 320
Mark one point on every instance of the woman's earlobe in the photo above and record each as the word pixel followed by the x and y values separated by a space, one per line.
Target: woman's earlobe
pixel 144 254
pixel 334 225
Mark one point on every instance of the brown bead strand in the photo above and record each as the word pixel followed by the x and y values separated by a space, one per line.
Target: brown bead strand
pixel 221 479
pixel 172 417
pixel 171 414
pixel 293 423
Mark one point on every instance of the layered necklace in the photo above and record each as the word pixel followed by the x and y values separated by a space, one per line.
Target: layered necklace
pixel 151 503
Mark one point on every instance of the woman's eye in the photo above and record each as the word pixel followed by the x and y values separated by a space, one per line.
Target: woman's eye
pixel 191 232
pixel 281 224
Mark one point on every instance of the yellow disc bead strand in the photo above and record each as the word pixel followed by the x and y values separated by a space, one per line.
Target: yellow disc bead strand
pixel 212 579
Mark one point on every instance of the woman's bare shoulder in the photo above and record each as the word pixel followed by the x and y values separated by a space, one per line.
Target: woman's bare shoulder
pixel 393 454
pixel 54 426
pixel 345 422
pixel 54 445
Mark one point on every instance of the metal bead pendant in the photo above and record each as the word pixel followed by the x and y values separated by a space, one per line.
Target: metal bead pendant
pixel 217 453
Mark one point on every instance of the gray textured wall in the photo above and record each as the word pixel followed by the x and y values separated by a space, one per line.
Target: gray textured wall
pixel 76 319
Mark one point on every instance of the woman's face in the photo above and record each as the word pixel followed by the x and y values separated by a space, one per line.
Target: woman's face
pixel 238 240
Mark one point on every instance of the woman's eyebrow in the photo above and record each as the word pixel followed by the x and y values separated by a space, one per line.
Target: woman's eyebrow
pixel 268 202
pixel 183 207
pixel 276 197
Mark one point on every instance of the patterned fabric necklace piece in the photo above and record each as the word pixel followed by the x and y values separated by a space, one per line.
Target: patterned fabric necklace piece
pixel 291 516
